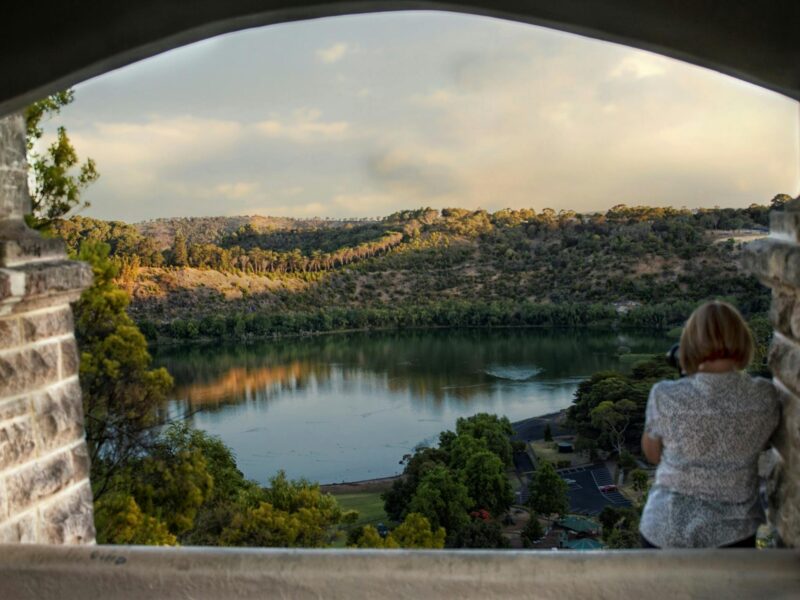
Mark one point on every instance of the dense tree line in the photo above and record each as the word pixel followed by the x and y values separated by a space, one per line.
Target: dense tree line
pixel 629 266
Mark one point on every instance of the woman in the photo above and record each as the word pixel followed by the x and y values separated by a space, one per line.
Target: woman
pixel 705 432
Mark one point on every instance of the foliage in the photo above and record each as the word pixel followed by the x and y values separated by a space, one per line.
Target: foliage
pixel 620 527
pixel 480 534
pixel 548 491
pixel 119 520
pixel 443 499
pixel 493 430
pixel 487 484
pixel 58 178
pixel 639 479
pixel 533 531
pixel 640 267
pixel 121 393
pixel 612 419
pixel 414 532
pixel 292 514
pixel 548 433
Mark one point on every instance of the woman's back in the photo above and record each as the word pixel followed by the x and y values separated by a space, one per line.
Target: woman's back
pixel 713 426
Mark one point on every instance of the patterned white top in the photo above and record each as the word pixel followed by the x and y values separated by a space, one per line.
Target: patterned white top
pixel 713 427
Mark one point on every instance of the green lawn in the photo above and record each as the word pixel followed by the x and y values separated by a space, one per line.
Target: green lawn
pixel 370 512
pixel 368 504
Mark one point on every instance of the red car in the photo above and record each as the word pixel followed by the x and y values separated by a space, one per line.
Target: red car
pixel 607 488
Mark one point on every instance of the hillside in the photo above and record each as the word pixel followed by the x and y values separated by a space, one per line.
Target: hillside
pixel 636 266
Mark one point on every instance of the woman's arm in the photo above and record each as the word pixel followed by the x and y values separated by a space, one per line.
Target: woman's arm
pixel 651 446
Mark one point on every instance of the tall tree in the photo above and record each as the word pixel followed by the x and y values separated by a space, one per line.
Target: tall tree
pixel 443 500
pixel 58 177
pixel 121 393
pixel 548 492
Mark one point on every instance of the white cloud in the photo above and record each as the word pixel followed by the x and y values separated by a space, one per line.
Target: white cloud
pixel 333 53
pixel 303 127
pixel 640 65
pixel 236 190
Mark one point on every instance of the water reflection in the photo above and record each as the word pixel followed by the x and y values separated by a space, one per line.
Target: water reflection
pixel 344 407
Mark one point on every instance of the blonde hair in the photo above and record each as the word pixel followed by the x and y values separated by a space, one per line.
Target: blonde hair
pixel 715 331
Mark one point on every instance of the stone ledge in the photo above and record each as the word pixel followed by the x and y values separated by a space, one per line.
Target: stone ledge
pixel 42 284
pixel 20 245
pixel 28 571
pixel 785 224
pixel 774 261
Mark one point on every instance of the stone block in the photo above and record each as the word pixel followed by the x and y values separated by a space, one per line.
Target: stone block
pixel 56 277
pixel 20 531
pixel 773 261
pixel 69 520
pixel 784 361
pixel 38 326
pixel 58 415
pixel 784 486
pixel 13 408
pixel 80 462
pixel 20 244
pixel 10 334
pixel 17 442
pixel 28 369
pixel 70 359
pixel 39 480
pixel 785 224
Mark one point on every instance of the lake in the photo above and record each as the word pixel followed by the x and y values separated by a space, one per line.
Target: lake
pixel 347 407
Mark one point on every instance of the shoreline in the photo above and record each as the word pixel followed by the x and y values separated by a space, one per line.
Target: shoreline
pixel 523 428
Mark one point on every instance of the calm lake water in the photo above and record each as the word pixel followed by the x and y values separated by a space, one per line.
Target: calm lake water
pixel 347 407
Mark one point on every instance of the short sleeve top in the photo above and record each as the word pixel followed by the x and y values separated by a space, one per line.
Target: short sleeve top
pixel 713 427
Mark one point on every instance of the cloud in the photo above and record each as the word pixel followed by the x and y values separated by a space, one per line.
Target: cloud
pixel 236 190
pixel 333 53
pixel 303 127
pixel 640 64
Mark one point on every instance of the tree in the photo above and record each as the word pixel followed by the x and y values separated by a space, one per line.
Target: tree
pixel 480 534
pixel 119 520
pixel 414 532
pixel 548 433
pixel 442 499
pixel 180 257
pixel 121 393
pixel 292 514
pixel 620 527
pixel 548 492
pixel 58 178
pixel 613 418
pixel 487 483
pixel 533 531
pixel 639 479
pixel 495 431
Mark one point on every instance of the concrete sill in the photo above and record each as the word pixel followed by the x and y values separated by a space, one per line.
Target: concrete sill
pixel 101 572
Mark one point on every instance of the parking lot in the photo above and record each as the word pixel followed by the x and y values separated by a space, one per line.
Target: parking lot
pixel 584 496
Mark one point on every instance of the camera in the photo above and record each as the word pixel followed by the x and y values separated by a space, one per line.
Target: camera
pixel 672 358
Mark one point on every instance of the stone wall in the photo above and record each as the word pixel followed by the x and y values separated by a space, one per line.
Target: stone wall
pixel 45 496
pixel 776 262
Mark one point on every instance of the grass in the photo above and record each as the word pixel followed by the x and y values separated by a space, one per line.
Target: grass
pixel 370 512
pixel 368 504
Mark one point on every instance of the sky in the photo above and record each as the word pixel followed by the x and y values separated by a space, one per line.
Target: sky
pixel 360 116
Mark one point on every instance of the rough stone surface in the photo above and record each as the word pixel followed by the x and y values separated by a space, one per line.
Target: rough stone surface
pixel 775 262
pixel 9 332
pixel 59 416
pixel 70 520
pixel 21 530
pixel 56 277
pixel 14 198
pixel 28 369
pixel 786 224
pixel 39 326
pixel 10 409
pixel 69 358
pixel 17 442
pixel 19 244
pixel 38 481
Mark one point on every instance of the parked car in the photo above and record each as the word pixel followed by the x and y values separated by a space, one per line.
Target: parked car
pixel 607 488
